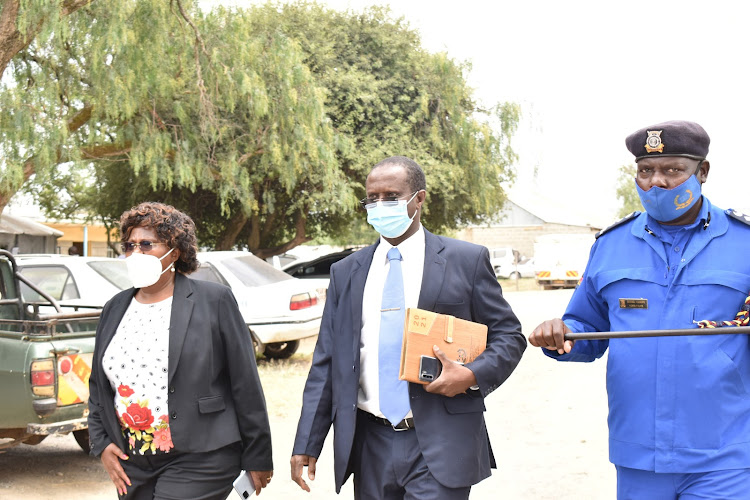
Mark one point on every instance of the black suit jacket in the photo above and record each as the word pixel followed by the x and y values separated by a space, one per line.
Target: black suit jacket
pixel 215 396
pixel 457 280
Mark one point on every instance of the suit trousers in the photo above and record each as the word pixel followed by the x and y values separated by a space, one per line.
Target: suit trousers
pixel 388 465
pixel 183 476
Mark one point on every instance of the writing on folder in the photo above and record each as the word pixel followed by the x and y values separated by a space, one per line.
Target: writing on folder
pixel 461 340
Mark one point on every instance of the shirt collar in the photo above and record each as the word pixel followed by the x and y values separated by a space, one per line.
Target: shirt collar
pixel 413 245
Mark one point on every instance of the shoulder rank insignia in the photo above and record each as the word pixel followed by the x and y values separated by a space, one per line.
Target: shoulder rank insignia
pixel 620 222
pixel 745 219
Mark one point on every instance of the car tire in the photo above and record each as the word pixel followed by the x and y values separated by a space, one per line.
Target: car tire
pixel 82 438
pixel 281 350
pixel 514 275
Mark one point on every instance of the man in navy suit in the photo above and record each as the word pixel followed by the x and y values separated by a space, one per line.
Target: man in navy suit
pixel 440 447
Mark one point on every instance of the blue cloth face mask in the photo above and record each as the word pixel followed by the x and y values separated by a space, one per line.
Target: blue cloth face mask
pixel 666 205
pixel 390 218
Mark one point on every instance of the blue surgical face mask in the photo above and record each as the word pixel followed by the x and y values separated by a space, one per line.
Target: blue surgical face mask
pixel 391 218
pixel 666 205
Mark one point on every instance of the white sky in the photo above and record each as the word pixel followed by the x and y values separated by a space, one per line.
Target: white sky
pixel 588 73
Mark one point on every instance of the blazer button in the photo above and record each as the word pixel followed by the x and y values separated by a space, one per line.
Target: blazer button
pixel 171 389
pixel 174 416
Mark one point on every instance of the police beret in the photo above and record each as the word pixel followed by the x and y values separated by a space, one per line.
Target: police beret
pixel 673 138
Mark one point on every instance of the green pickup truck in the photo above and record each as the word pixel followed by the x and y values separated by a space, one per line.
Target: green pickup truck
pixel 45 363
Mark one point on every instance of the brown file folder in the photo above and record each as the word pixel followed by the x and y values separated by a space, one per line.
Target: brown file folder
pixel 460 340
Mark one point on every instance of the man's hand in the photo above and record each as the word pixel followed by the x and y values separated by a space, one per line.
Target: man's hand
pixel 298 462
pixel 261 479
pixel 551 335
pixel 454 379
pixel 111 457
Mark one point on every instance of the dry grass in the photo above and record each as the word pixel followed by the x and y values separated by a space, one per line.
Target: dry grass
pixel 283 383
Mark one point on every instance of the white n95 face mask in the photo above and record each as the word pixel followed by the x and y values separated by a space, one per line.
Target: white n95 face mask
pixel 144 270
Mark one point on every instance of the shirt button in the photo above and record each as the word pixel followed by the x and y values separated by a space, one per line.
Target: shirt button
pixel 676 249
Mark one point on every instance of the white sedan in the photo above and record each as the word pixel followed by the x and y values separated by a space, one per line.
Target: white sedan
pixel 279 310
pixel 77 283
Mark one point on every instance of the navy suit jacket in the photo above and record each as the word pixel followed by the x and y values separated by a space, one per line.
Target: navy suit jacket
pixel 215 396
pixel 457 280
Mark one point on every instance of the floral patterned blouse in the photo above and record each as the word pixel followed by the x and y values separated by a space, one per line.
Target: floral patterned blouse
pixel 136 362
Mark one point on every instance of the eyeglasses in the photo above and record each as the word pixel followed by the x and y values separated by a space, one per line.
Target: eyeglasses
pixel 145 245
pixel 386 200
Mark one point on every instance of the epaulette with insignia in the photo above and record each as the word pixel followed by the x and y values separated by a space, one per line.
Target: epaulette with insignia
pixel 745 219
pixel 618 223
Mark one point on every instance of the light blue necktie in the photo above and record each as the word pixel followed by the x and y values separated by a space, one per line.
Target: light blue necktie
pixel 394 393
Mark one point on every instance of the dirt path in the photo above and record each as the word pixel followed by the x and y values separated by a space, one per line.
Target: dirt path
pixel 547 424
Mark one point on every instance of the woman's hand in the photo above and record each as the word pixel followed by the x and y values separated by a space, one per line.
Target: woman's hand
pixel 111 457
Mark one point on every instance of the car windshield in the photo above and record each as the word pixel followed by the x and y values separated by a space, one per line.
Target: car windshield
pixel 115 271
pixel 253 271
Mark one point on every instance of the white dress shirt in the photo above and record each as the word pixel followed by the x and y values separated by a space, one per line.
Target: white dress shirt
pixel 412 265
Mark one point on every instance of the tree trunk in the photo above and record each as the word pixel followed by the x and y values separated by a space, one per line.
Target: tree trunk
pixel 235 225
pixel 300 223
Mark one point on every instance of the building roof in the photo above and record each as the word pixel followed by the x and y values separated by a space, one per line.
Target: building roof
pixel 13 224
pixel 557 211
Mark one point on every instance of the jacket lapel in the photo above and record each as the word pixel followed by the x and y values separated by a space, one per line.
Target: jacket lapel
pixel 433 273
pixel 182 308
pixel 359 272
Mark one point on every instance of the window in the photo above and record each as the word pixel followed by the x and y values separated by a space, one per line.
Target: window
pixel 114 271
pixel 54 280
pixel 253 271
pixel 207 272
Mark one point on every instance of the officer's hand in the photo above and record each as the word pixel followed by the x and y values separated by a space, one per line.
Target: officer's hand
pixel 454 378
pixel 298 462
pixel 551 335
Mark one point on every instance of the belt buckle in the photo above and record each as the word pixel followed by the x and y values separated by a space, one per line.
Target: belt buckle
pixel 398 427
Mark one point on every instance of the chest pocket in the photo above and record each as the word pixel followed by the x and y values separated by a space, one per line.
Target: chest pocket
pixel 646 274
pixel 732 279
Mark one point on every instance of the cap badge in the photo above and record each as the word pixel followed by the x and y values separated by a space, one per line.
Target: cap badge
pixel 653 141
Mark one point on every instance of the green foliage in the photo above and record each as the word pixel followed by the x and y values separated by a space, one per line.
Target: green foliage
pixel 262 123
pixel 626 192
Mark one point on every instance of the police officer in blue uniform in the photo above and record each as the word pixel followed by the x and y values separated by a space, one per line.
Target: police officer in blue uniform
pixel 679 407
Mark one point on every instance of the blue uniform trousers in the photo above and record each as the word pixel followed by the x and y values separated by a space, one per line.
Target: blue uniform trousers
pixel 730 484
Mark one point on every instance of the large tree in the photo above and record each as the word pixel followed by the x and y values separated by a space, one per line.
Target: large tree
pixel 261 123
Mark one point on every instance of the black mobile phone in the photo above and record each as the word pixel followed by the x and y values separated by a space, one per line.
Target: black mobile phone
pixel 243 485
pixel 429 368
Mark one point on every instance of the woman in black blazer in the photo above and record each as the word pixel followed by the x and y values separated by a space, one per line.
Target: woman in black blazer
pixel 176 405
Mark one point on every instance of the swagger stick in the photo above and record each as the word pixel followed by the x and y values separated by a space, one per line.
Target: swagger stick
pixel 655 333
pixel 705 327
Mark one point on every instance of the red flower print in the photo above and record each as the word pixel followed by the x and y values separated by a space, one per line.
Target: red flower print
pixel 125 391
pixel 163 439
pixel 164 418
pixel 138 418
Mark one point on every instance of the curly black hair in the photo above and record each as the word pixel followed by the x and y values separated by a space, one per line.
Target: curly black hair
pixel 173 227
